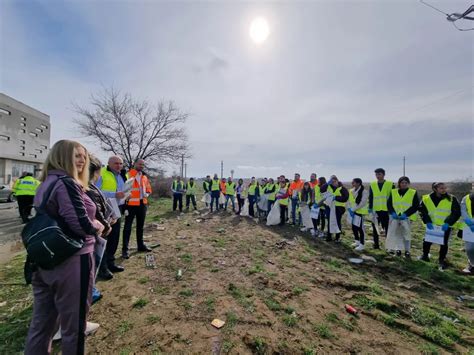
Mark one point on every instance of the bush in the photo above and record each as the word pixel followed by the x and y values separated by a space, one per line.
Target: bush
pixel 162 187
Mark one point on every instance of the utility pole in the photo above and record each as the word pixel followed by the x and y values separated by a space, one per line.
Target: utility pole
pixel 222 169
pixel 404 161
pixel 185 169
pixel 232 174
pixel 182 165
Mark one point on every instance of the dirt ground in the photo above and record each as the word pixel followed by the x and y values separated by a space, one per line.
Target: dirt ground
pixel 278 291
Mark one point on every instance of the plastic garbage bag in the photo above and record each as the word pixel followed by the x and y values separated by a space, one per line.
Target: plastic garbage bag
pixel 333 227
pixel 245 208
pixel 206 198
pixel 263 203
pixel 306 216
pixel 222 199
pixel 375 222
pixel 273 217
pixel 315 210
pixel 398 232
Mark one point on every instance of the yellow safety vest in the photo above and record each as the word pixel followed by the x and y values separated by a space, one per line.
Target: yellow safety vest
pixel 191 190
pixel 109 181
pixel 337 192
pixel 215 185
pixel 300 194
pixel 381 196
pixel 461 224
pixel 272 195
pixel 283 201
pixel 26 186
pixel 438 214
pixel 176 187
pixel 230 188
pixel 352 203
pixel 403 203
pixel 252 189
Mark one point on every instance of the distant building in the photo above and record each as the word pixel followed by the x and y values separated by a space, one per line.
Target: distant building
pixel 24 139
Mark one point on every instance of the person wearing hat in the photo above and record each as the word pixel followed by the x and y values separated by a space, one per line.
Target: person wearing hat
pixel 443 210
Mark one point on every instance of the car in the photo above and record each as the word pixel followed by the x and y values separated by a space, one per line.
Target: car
pixel 6 193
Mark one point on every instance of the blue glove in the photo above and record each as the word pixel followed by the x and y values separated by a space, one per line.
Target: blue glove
pixel 445 227
pixel 403 217
pixel 394 215
pixel 469 221
pixel 351 212
pixel 371 210
pixel 429 226
pixel 472 227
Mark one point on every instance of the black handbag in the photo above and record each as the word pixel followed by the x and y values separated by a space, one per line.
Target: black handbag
pixel 45 241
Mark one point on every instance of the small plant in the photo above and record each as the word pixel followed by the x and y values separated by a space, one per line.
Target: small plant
pixel 140 303
pixel 210 304
pixel 259 345
pixel 143 280
pixel 215 269
pixel 227 346
pixel 429 349
pixel 272 304
pixel 187 258
pixel 219 243
pixel 309 351
pixel 187 306
pixel 186 293
pixel 290 320
pixel 305 258
pixel 153 319
pixel 124 326
pixel 231 320
pixel 179 246
pixel 298 290
pixel 255 269
pixel 332 317
pixel 323 331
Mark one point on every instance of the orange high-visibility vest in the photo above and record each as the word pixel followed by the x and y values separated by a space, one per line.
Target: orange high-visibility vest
pixel 134 199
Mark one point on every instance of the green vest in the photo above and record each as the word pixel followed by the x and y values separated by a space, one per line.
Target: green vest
pixel 178 186
pixel 283 201
pixel 352 202
pixel 230 188
pixel 402 203
pixel 381 196
pixel 109 181
pixel 337 192
pixel 300 198
pixel 206 184
pixel 191 190
pixel 215 185
pixel 317 193
pixel 26 186
pixel 272 195
pixel 460 224
pixel 252 188
pixel 438 214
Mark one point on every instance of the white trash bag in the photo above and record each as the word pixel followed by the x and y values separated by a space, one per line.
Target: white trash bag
pixel 263 203
pixel 222 199
pixel 315 210
pixel 245 208
pixel 306 216
pixel 206 198
pixel 273 217
pixel 333 227
pixel 398 232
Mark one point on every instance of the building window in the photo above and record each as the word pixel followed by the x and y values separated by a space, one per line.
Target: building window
pixel 33 134
pixel 22 154
pixel 44 126
pixel 33 155
pixel 19 167
pixel 43 146
pixel 5 112
pixel 22 147
pixel 39 130
pixel 4 137
pixel 39 150
pixel 22 124
pixel 22 141
pixel 22 130
pixel 23 118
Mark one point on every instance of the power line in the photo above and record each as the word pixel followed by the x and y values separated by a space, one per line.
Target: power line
pixel 425 3
pixel 454 16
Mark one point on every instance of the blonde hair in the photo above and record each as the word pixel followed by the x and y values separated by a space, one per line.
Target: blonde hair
pixel 61 157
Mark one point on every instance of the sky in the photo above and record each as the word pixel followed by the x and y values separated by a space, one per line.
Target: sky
pixel 339 87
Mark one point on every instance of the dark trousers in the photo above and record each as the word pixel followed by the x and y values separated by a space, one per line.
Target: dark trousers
pixel 240 202
pixel 283 214
pixel 443 249
pixel 25 204
pixel 322 218
pixel 383 218
pixel 189 199
pixel 359 231
pixel 112 243
pixel 62 296
pixel 252 201
pixel 178 200
pixel 140 213
pixel 270 205
pixel 339 212
pixel 215 197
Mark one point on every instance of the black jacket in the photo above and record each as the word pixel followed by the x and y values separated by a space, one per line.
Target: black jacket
pixel 344 192
pixel 99 200
pixel 414 207
pixel 455 209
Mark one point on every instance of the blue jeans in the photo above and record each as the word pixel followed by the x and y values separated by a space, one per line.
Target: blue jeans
pixel 294 206
pixel 270 205
pixel 252 201
pixel 215 197
pixel 227 198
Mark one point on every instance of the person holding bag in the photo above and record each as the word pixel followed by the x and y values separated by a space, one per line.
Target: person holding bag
pixel 357 208
pixel 62 294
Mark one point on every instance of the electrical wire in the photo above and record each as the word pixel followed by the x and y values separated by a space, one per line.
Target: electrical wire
pixel 425 3
pixel 454 17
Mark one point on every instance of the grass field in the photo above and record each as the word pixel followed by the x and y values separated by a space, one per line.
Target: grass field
pixel 277 289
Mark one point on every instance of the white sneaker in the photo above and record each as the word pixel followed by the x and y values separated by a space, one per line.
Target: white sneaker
pixel 468 270
pixel 90 328
pixel 355 244
pixel 313 233
pixel 304 229
pixel 360 247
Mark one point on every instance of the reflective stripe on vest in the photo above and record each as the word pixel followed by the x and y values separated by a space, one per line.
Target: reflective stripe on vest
pixel 438 214
pixel 215 185
pixel 337 192
pixel 403 203
pixel 252 189
pixel 109 182
pixel 26 186
pixel 352 202
pixel 191 190
pixel 135 199
pixel 381 196
pixel 230 189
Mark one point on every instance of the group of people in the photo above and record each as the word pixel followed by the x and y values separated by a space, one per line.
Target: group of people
pixel 89 201
pixel 317 204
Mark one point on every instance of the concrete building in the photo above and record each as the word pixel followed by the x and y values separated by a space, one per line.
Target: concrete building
pixel 24 139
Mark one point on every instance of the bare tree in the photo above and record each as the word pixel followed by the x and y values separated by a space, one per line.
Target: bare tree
pixel 134 129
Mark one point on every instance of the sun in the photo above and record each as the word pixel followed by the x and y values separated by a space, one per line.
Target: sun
pixel 259 30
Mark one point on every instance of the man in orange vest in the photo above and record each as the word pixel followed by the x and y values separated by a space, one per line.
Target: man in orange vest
pixel 136 205
pixel 295 188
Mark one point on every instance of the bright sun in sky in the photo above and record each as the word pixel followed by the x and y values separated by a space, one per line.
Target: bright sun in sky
pixel 259 30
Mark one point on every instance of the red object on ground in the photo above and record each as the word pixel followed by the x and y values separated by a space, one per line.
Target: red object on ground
pixel 350 309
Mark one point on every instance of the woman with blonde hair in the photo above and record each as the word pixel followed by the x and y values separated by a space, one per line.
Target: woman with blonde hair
pixel 62 295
